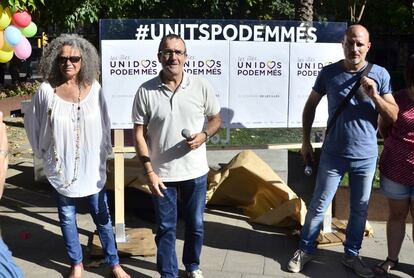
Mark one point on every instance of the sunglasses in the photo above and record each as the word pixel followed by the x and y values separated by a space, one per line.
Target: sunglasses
pixel 72 59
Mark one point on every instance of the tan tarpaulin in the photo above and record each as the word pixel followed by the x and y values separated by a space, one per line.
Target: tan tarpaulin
pixel 250 183
pixel 246 182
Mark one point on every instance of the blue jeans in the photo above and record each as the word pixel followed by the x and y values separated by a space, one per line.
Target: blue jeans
pixel 193 198
pixel 98 206
pixel 331 170
pixel 8 268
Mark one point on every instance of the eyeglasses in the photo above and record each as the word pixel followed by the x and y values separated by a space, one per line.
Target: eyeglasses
pixel 169 52
pixel 72 59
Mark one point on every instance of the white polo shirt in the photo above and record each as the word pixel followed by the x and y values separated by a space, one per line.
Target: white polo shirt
pixel 166 114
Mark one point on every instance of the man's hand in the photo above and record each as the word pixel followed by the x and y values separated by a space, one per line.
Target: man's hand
pixel 306 151
pixel 370 86
pixel 197 140
pixel 155 184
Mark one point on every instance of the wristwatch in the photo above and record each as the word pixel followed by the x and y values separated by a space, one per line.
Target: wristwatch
pixel 207 136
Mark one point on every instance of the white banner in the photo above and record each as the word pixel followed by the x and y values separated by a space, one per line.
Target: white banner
pixel 306 60
pixel 262 71
pixel 259 73
pixel 125 66
pixel 210 59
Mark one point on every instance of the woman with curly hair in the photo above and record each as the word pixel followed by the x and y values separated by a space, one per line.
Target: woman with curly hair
pixel 69 129
pixel 397 168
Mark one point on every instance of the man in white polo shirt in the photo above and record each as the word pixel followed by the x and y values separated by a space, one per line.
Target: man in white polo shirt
pixel 163 107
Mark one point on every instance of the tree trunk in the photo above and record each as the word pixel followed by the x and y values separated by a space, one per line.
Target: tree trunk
pixel 304 10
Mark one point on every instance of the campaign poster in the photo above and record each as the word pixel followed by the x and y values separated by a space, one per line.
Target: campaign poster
pixel 306 61
pixel 125 66
pixel 210 59
pixel 259 75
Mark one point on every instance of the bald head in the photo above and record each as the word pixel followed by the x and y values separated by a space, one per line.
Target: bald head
pixel 357 29
pixel 356 45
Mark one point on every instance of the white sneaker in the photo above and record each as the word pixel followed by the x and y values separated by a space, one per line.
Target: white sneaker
pixel 195 274
pixel 300 258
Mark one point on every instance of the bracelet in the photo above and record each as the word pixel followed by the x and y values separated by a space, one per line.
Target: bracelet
pixel 152 171
pixel 207 136
pixel 4 153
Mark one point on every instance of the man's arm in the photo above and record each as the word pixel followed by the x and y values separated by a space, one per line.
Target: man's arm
pixel 213 125
pixel 308 117
pixel 385 104
pixel 141 148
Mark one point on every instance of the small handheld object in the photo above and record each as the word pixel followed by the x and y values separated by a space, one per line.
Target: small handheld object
pixel 186 134
pixel 308 167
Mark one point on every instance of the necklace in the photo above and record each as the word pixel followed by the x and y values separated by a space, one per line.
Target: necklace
pixel 77 132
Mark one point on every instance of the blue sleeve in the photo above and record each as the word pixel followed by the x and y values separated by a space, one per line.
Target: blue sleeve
pixel 320 85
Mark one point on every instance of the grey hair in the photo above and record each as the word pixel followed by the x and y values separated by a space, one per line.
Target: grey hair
pixel 90 63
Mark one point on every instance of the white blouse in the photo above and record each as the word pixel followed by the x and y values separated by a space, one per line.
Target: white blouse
pixel 74 162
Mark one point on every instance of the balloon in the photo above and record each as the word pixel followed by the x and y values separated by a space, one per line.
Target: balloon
pixel 7 47
pixel 5 18
pixel 5 56
pixel 23 49
pixel 30 30
pixel 12 35
pixel 21 19
pixel 1 39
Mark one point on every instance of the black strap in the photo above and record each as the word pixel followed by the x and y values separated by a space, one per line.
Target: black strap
pixel 347 98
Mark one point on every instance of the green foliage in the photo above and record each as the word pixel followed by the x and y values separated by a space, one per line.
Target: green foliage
pixel 75 13
pixel 21 89
pixel 19 5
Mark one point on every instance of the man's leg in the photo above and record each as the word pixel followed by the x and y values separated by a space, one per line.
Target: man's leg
pixel 193 193
pixel 330 172
pixel 361 174
pixel 166 217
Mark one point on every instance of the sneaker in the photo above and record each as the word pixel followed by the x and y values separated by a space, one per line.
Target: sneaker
pixel 300 258
pixel 357 265
pixel 195 274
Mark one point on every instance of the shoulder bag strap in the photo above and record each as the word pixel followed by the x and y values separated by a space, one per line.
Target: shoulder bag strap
pixel 347 98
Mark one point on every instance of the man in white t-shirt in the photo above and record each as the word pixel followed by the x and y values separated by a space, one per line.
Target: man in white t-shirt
pixel 163 107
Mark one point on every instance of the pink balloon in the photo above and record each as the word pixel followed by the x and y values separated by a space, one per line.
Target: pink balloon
pixel 23 49
pixel 21 19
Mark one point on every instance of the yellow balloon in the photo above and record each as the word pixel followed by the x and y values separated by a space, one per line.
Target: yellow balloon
pixel 1 39
pixel 5 56
pixel 7 47
pixel 5 18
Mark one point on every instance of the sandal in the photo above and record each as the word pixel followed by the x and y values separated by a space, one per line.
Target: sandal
pixel 385 266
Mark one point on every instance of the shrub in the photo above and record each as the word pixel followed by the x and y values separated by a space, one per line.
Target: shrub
pixel 20 89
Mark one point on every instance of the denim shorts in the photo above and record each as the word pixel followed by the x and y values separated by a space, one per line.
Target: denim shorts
pixel 395 190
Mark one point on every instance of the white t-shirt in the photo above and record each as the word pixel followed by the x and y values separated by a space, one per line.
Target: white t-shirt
pixel 49 113
pixel 166 114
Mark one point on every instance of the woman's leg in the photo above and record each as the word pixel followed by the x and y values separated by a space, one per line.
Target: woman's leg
pixel 67 217
pixel 99 210
pixel 398 210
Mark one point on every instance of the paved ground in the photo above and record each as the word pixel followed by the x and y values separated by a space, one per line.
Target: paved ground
pixel 233 247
